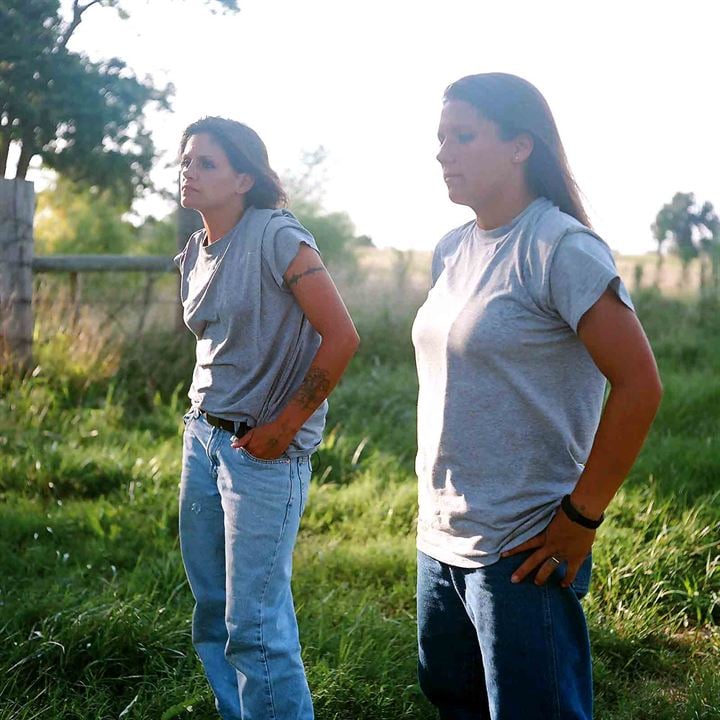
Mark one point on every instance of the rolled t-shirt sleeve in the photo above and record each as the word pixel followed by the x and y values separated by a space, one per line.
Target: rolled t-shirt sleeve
pixel 582 268
pixel 282 250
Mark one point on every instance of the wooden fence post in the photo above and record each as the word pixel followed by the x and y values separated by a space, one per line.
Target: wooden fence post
pixel 17 208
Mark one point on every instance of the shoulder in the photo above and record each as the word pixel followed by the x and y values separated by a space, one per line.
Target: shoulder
pixel 279 219
pixel 582 242
pixel 556 245
pixel 550 226
pixel 578 267
pixel 281 227
pixel 554 231
pixel 282 236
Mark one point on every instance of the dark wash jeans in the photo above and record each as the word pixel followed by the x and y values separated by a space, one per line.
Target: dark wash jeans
pixel 492 650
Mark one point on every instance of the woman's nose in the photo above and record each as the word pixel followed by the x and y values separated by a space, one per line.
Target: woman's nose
pixel 442 155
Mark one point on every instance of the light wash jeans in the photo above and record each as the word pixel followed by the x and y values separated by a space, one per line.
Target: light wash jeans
pixel 492 650
pixel 239 518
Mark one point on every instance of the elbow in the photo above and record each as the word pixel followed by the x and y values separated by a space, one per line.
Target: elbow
pixel 345 341
pixel 352 341
pixel 658 390
pixel 653 387
pixel 644 389
pixel 347 337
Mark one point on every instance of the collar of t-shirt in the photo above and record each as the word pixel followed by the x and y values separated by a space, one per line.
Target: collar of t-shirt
pixel 491 236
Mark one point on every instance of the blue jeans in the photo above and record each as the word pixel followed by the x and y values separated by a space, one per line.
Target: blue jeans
pixel 492 650
pixel 239 518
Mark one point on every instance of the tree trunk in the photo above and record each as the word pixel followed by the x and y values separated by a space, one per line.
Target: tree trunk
pixel 658 266
pixel 27 152
pixel 684 273
pixel 638 276
pixel 703 274
pixel 4 149
pixel 17 207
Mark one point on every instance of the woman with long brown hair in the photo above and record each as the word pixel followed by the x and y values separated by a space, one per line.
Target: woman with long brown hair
pixel 526 320
pixel 273 338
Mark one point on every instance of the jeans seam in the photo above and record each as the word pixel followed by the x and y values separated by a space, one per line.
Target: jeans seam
pixel 300 486
pixel 550 640
pixel 263 654
pixel 303 488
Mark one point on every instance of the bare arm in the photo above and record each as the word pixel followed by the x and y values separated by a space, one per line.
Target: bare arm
pixel 617 344
pixel 615 339
pixel 319 299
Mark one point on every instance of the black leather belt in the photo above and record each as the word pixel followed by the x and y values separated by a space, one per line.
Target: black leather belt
pixel 237 429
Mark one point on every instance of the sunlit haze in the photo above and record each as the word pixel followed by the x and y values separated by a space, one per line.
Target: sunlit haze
pixel 632 87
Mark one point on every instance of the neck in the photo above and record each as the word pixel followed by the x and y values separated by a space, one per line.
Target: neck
pixel 503 208
pixel 219 222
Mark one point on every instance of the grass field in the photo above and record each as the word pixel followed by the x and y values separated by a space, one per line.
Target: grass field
pixel 94 608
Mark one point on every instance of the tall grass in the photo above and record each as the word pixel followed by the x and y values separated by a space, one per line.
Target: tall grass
pixel 94 608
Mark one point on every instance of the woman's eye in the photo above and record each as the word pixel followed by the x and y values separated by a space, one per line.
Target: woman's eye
pixel 465 138
pixel 185 162
pixel 208 164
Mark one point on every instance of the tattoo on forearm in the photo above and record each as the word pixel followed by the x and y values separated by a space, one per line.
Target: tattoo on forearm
pixel 294 279
pixel 314 389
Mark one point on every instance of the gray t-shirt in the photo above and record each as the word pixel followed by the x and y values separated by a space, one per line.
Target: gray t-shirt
pixel 509 398
pixel 254 343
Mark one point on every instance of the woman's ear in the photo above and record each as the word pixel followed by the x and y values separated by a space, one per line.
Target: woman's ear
pixel 522 147
pixel 244 183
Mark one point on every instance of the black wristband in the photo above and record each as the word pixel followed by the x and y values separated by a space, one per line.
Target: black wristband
pixel 576 517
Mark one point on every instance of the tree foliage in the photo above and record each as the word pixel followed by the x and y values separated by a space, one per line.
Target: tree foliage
pixel 74 219
pixel 693 231
pixel 334 232
pixel 84 119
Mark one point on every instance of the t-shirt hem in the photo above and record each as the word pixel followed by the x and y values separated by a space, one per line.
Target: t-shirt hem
pixel 450 558
pixel 293 454
pixel 447 556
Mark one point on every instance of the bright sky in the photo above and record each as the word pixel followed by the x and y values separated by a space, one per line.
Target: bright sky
pixel 633 87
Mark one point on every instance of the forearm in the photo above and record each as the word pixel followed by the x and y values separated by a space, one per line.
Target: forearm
pixel 626 419
pixel 326 369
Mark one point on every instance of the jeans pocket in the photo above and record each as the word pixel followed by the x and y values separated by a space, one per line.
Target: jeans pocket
pixel 188 416
pixel 283 459
pixel 581 583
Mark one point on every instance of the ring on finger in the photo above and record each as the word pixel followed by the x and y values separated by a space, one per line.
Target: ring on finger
pixel 555 561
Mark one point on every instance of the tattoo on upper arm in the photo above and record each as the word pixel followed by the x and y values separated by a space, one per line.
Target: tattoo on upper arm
pixel 294 279
pixel 314 388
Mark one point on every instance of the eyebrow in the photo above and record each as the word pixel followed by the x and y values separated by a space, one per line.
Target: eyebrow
pixel 199 157
pixel 463 126
pixel 457 127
